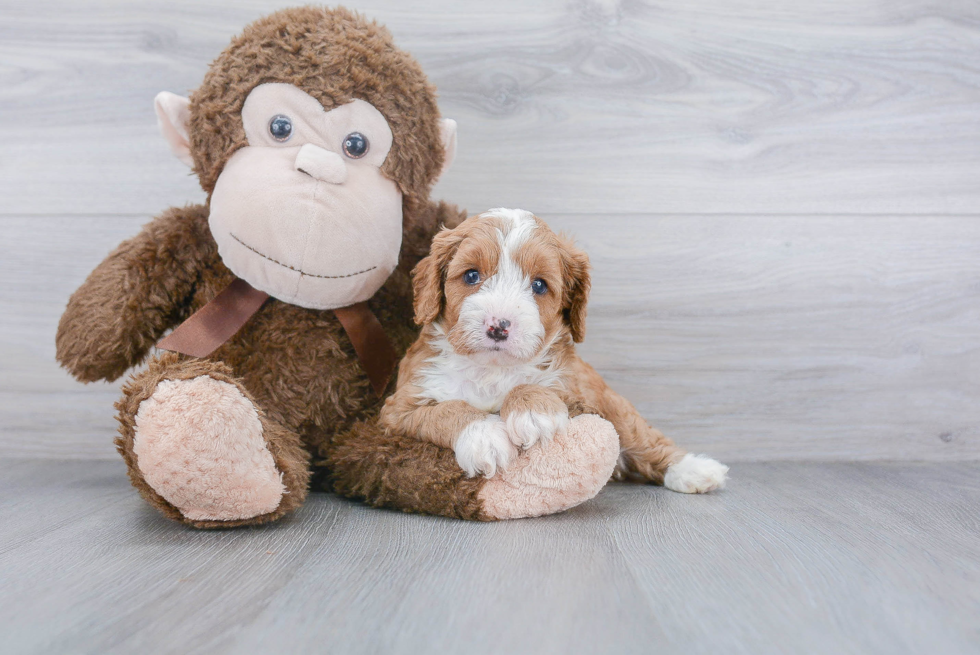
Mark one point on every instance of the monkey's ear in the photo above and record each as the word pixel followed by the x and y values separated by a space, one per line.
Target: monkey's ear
pixel 447 132
pixel 173 116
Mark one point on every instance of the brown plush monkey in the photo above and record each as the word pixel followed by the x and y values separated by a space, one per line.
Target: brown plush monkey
pixel 317 142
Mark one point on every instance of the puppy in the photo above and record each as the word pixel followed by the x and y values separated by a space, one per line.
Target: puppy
pixel 502 300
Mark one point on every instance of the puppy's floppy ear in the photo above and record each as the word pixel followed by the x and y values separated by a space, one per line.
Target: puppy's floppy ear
pixel 578 282
pixel 428 275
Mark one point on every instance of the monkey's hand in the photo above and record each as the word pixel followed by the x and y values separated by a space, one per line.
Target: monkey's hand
pixel 139 291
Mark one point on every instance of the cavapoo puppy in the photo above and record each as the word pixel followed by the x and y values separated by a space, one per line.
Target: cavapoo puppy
pixel 502 300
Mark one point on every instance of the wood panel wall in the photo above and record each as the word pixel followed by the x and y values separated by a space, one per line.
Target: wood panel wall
pixel 780 199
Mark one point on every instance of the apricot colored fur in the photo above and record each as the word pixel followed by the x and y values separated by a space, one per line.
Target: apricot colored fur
pixel 439 294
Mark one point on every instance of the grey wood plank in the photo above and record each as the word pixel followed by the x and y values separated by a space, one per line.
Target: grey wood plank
pixel 833 106
pixel 751 338
pixel 792 557
pixel 811 540
pixel 43 411
pixel 792 337
pixel 41 498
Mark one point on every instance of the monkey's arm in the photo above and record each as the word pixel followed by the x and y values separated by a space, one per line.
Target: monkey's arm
pixel 142 288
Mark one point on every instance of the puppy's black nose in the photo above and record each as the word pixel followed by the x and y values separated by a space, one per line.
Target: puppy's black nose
pixel 498 331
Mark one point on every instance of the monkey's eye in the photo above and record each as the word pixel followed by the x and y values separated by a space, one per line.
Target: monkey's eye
pixel 539 287
pixel 355 145
pixel 471 276
pixel 281 128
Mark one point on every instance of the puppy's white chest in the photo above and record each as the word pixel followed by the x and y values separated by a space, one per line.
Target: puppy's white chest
pixel 484 387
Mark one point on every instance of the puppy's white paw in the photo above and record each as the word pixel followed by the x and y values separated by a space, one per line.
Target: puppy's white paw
pixel 695 474
pixel 483 447
pixel 528 428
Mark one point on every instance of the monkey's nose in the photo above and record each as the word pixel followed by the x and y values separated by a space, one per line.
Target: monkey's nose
pixel 322 164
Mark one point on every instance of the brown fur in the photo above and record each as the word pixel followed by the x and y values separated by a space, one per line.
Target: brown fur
pixel 439 293
pixel 384 470
pixel 301 46
pixel 297 365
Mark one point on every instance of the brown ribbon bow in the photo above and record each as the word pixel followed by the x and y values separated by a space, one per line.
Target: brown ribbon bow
pixel 212 325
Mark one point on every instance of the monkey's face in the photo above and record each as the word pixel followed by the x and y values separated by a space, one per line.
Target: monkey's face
pixel 303 212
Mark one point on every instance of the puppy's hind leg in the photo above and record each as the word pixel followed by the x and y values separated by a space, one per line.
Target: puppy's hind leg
pixel 695 474
pixel 649 455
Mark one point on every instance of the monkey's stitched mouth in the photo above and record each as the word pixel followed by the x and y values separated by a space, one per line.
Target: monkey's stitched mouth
pixel 324 277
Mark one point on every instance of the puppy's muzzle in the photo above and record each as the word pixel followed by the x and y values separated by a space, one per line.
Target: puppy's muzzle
pixel 498 330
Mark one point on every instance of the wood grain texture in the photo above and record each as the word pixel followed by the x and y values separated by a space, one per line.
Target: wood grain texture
pixel 43 411
pixel 791 558
pixel 751 338
pixel 830 106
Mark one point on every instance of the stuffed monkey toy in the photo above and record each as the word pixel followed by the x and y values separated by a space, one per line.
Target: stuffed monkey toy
pixel 288 292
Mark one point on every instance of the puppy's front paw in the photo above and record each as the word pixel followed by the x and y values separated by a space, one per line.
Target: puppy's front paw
pixel 483 446
pixel 695 474
pixel 526 428
pixel 533 413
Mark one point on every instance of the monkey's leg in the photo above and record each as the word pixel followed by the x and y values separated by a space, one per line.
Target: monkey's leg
pixel 415 476
pixel 199 449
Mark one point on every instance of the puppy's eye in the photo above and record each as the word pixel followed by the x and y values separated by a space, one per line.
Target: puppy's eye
pixel 281 127
pixel 355 145
pixel 471 276
pixel 539 287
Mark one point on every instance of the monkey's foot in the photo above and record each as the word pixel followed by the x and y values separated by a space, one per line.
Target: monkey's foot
pixel 199 444
pixel 555 476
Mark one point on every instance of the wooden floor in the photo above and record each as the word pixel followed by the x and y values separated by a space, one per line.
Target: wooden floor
pixel 792 558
